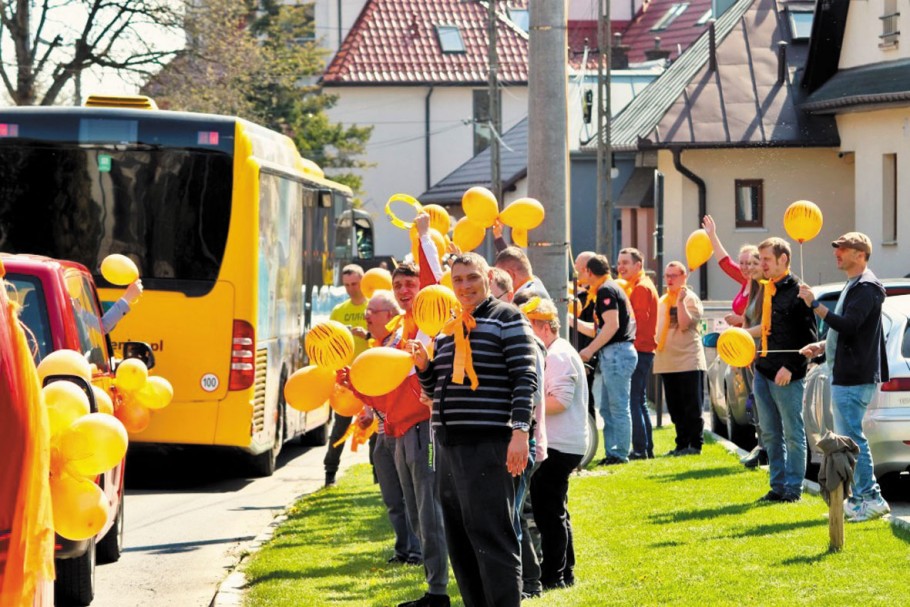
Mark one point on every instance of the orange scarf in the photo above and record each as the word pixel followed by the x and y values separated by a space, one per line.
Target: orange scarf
pixel 770 289
pixel 406 323
pixel 462 361
pixel 592 292
pixel 629 285
pixel 668 300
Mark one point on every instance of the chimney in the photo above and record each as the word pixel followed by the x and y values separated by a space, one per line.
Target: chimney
pixel 619 53
pixel 657 53
pixel 781 62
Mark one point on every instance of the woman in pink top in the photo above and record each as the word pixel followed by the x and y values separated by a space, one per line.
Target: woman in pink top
pixel 741 272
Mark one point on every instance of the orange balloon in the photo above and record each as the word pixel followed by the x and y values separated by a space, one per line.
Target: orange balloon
pixel 480 205
pixel 468 234
pixel 330 345
pixel 134 417
pixel 520 237
pixel 80 507
pixel 432 308
pixel 439 218
pixel 438 240
pixel 103 401
pixel 803 221
pixel 446 279
pixel 698 249
pixel 524 213
pixel 375 279
pixel 736 347
pixel 345 402
pixel 308 388
pixel 380 370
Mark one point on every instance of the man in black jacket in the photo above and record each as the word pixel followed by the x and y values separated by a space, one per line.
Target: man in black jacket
pixel 781 372
pixel 855 347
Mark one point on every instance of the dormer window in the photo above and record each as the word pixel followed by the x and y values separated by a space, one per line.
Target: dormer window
pixel 800 24
pixel 670 16
pixel 705 18
pixel 520 17
pixel 450 40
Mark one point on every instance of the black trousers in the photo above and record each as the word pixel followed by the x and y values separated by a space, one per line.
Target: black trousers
pixel 478 501
pixel 333 454
pixel 549 498
pixel 684 392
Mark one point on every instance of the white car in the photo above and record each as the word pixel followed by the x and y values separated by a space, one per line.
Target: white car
pixel 887 421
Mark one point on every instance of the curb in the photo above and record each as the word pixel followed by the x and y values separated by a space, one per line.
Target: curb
pixel 230 591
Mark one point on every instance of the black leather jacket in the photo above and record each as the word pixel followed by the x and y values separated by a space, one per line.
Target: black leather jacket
pixel 792 327
pixel 860 357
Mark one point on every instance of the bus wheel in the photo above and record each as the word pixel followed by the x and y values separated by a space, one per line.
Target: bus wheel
pixel 264 464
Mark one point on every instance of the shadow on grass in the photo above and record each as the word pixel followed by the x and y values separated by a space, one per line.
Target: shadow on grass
pixel 808 559
pixel 701 513
pixel 695 474
pixel 667 544
pixel 762 530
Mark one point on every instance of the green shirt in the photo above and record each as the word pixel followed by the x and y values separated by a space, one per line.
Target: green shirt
pixel 352 315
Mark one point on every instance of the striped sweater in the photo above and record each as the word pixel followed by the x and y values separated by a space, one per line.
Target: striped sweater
pixel 504 356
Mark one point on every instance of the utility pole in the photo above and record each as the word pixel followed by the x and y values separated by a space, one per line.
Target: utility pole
pixel 604 222
pixel 495 112
pixel 548 149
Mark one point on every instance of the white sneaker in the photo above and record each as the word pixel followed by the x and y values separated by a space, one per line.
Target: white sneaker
pixel 851 507
pixel 871 509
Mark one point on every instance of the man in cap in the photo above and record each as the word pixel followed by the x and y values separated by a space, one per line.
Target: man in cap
pixel 855 353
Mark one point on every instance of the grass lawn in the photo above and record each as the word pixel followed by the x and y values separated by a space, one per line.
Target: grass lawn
pixel 668 531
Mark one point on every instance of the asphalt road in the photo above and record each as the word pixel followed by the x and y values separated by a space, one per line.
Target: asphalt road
pixel 189 519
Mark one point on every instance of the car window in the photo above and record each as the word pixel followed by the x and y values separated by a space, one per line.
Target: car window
pixel 28 292
pixel 829 300
pixel 905 344
pixel 88 320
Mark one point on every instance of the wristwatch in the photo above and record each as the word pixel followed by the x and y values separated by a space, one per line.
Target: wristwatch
pixel 815 304
pixel 523 426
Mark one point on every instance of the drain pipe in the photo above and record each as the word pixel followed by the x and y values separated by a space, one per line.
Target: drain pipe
pixel 702 211
pixel 426 135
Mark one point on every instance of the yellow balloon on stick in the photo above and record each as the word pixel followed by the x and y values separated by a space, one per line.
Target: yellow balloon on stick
pixel 80 507
pixel 65 362
pixel 520 237
pixel 93 444
pixel 524 214
pixel 439 218
pixel 66 402
pixel 803 221
pixel 103 401
pixel 119 270
pixel 380 370
pixel 131 375
pixel 134 417
pixel 409 200
pixel 480 205
pixel 375 279
pixel 468 234
pixel 330 345
pixel 308 388
pixel 736 347
pixel 344 402
pixel 698 249
pixel 432 308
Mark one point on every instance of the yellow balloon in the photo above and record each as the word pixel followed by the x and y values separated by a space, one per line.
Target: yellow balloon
pixel 736 347
pixel 80 507
pixel 345 402
pixel 134 417
pixel 375 279
pixel 119 270
pixel 103 401
pixel 308 388
pixel 432 308
pixel 468 234
pixel 524 213
pixel 480 205
pixel 439 218
pixel 330 345
pixel 380 370
pixel 698 249
pixel 446 279
pixel 131 375
pixel 66 402
pixel 94 444
pixel 803 220
pixel 65 362
pixel 520 237
pixel 157 393
pixel 438 240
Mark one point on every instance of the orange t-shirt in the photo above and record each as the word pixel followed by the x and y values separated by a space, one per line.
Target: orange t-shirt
pixel 644 305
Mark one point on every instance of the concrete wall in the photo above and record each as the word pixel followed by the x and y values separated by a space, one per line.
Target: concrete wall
pixel 862 44
pixel 818 175
pixel 870 135
pixel 397 147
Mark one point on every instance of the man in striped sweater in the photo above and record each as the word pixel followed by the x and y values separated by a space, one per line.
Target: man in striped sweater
pixel 482 380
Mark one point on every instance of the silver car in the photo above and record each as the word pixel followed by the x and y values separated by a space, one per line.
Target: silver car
pixel 887 421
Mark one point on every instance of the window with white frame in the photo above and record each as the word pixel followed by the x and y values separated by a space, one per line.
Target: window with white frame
pixel 750 203
pixel 890 26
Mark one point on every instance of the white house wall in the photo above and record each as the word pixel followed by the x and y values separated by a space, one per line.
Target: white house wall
pixel 812 174
pixel 396 150
pixel 326 17
pixel 863 31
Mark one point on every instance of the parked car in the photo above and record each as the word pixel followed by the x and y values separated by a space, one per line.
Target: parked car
pixel 730 389
pixel 61 310
pixel 887 420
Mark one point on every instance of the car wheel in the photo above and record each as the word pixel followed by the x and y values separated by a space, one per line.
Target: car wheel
pixel 111 545
pixel 743 435
pixel 592 444
pixel 316 437
pixel 75 583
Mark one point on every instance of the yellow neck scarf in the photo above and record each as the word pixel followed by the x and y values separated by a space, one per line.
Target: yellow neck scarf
pixel 629 285
pixel 592 292
pixel 668 301
pixel 409 327
pixel 462 362
pixel 770 289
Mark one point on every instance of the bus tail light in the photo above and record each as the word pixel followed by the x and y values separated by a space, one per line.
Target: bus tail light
pixel 243 355
pixel 898 384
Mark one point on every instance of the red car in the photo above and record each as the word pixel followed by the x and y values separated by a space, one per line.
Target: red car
pixel 61 310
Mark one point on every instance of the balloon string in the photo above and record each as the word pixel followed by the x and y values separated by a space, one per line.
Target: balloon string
pixel 802 273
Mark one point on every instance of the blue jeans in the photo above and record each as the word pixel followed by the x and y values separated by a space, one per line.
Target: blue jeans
pixel 617 363
pixel 642 443
pixel 850 403
pixel 780 409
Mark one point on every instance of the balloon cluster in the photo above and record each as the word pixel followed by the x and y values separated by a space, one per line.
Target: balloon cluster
pixel 330 347
pixel 141 392
pixel 83 445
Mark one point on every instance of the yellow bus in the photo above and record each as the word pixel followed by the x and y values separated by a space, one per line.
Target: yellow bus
pixel 231 230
